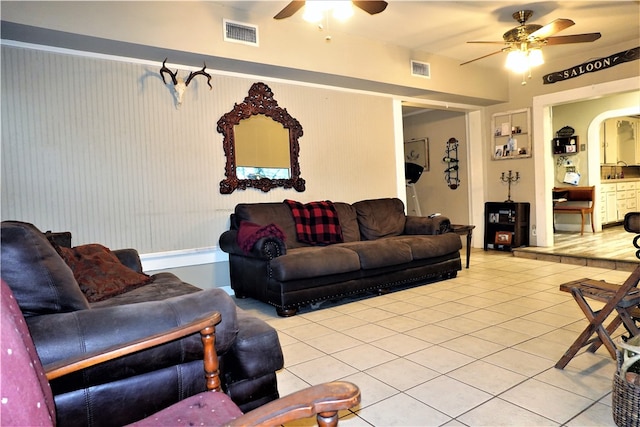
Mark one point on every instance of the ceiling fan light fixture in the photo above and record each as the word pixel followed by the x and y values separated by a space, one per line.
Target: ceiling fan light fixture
pixel 535 57
pixel 314 10
pixel 517 61
pixel 522 60
pixel 342 10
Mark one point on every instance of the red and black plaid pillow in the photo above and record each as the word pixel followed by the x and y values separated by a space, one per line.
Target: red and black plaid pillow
pixel 317 223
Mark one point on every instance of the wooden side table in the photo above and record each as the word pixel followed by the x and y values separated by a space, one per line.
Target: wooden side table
pixel 462 230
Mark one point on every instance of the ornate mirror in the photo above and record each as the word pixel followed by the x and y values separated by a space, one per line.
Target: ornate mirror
pixel 261 144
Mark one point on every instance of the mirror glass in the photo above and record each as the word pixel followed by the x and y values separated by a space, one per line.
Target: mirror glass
pixel 261 144
pixel 262 149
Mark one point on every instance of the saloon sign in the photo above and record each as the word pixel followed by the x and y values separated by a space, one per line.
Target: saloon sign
pixel 592 66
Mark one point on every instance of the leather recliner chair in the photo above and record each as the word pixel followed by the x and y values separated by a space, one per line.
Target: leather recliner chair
pixel 64 324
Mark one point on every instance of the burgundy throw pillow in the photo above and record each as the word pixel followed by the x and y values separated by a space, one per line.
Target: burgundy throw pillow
pixel 249 233
pixel 317 223
pixel 100 273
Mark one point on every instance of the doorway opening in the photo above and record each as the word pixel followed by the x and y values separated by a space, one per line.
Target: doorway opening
pixel 544 131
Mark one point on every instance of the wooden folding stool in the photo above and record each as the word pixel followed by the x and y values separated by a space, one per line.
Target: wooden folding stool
pixel 621 299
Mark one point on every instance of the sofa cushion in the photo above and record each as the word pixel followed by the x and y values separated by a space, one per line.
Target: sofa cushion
pixel 40 280
pixel 348 221
pixel 380 218
pixel 164 285
pixel 99 272
pixel 317 223
pixel 302 263
pixel 381 253
pixel 430 246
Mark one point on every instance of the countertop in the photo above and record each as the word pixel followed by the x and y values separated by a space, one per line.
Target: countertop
pixel 613 181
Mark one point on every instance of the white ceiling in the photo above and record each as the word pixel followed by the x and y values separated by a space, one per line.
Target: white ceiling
pixel 444 27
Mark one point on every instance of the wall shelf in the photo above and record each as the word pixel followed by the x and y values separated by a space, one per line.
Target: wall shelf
pixel 566 145
pixel 511 134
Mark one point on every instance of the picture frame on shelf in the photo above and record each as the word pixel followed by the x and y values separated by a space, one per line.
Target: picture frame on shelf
pixel 503 238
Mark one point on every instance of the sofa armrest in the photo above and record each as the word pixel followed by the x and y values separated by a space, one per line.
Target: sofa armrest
pixel 64 335
pixel 425 225
pixel 130 258
pixel 264 248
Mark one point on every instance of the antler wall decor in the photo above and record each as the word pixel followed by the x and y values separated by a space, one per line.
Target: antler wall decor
pixel 180 85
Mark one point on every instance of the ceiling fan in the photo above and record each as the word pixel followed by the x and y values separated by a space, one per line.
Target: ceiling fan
pixel 370 6
pixel 526 38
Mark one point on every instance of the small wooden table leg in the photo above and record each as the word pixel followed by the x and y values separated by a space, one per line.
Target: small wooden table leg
pixel 462 230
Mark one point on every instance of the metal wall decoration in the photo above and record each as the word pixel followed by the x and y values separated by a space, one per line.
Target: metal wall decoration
pixel 451 159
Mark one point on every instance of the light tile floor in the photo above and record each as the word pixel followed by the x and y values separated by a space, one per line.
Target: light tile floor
pixel 477 350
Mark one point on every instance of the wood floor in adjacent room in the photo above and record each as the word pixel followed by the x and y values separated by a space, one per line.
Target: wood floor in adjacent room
pixel 612 243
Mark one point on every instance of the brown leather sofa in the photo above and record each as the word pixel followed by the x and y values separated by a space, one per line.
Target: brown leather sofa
pixel 382 248
pixel 64 324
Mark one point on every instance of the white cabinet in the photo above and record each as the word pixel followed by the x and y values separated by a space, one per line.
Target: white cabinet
pixel 617 199
pixel 610 142
pixel 608 203
pixel 626 198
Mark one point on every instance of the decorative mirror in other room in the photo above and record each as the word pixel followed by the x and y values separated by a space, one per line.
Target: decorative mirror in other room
pixel 261 144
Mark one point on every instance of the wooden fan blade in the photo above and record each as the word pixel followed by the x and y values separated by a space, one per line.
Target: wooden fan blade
pixel 551 28
pixel 487 42
pixel 371 6
pixel 577 38
pixel 290 9
pixel 485 56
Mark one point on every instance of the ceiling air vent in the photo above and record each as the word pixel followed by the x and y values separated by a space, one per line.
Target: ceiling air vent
pixel 239 32
pixel 420 69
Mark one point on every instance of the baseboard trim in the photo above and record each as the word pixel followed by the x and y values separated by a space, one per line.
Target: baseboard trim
pixel 182 258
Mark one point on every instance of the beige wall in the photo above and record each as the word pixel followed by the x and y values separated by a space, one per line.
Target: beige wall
pixel 98 147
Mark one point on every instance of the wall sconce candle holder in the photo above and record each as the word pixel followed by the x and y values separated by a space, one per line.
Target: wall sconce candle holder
pixel 451 159
pixel 509 178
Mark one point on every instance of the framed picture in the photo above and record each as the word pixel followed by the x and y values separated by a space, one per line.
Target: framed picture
pixel 503 238
pixel 417 151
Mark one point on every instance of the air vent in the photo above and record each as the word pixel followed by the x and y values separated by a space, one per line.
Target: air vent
pixel 239 32
pixel 421 69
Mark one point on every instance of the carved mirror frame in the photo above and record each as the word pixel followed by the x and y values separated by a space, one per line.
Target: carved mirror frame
pixel 259 101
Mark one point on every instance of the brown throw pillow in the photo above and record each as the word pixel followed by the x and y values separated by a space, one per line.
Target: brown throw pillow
pixel 100 273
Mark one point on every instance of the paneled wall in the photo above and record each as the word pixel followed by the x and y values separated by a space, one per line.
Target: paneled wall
pixel 97 146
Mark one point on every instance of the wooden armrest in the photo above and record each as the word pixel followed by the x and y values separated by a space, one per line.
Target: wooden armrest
pixel 324 400
pixel 67 366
